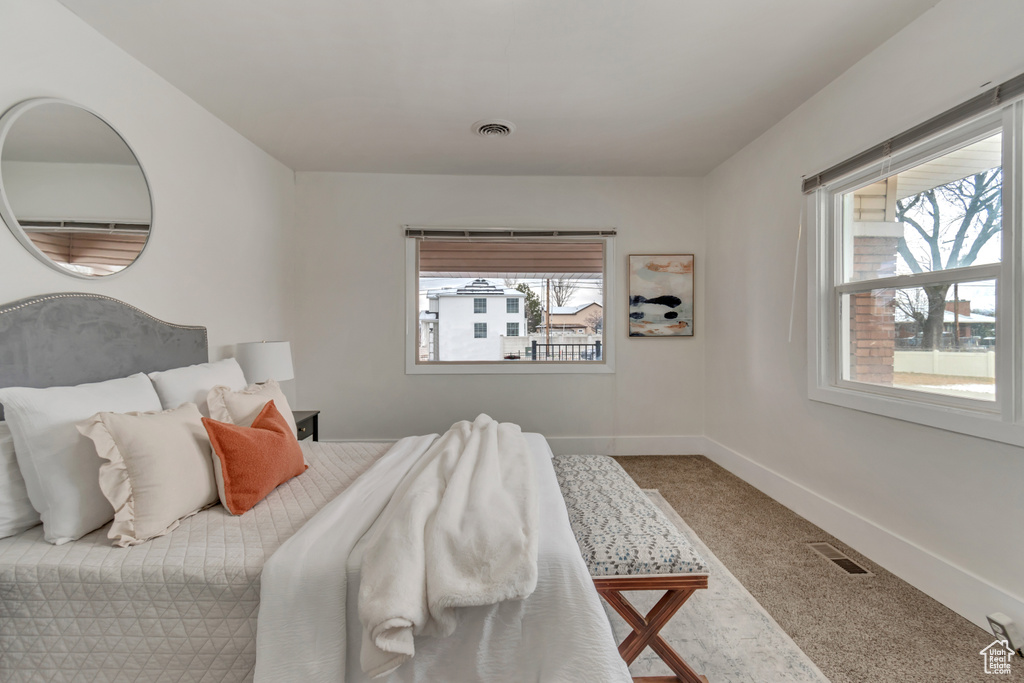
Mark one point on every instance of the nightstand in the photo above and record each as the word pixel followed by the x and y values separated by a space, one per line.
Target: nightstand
pixel 307 423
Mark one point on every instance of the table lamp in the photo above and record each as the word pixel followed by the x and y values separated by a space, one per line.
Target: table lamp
pixel 265 360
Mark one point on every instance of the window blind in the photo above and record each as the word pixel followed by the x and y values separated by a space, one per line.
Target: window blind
pixel 104 249
pixel 506 233
pixel 989 100
pixel 482 258
pixel 510 253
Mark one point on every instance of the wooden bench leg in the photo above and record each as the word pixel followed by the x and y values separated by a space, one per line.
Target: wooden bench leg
pixel 646 628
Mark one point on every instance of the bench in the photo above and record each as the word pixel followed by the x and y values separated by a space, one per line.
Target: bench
pixel 629 545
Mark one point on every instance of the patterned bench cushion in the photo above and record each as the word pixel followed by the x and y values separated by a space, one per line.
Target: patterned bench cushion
pixel 619 530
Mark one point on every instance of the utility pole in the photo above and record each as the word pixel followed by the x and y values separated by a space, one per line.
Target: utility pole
pixel 547 322
pixel 956 315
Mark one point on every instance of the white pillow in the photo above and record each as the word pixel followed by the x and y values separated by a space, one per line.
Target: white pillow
pixel 16 512
pixel 60 466
pixel 159 469
pixel 242 407
pixel 191 384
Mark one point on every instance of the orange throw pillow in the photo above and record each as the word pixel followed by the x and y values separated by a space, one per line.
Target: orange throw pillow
pixel 253 461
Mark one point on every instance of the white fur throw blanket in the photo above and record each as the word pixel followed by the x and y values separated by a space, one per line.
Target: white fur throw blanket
pixel 460 531
pixel 453 521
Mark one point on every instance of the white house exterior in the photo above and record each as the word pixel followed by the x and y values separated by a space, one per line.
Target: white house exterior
pixel 468 323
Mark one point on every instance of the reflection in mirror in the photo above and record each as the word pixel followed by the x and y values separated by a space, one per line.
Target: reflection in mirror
pixel 72 191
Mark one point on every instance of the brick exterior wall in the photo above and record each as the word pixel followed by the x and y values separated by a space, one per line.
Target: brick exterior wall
pixel 873 315
pixel 872 338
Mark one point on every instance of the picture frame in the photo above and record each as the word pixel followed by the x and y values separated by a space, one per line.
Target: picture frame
pixel 661 295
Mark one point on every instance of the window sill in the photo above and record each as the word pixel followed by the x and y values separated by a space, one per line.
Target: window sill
pixel 983 424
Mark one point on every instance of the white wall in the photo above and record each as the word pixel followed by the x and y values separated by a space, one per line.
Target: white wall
pixel 84 192
pixel 937 508
pixel 353 263
pixel 222 207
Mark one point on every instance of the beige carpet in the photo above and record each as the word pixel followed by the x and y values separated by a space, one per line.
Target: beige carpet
pixel 856 629
pixel 721 631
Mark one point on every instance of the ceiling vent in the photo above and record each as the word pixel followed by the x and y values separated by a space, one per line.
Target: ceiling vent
pixel 494 128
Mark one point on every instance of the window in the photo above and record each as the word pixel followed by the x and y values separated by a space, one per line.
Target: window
pixel 911 296
pixel 932 233
pixel 452 275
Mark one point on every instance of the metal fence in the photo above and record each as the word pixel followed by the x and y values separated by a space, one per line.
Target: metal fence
pixel 564 352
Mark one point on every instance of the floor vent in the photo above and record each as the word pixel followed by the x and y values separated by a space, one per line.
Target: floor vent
pixel 829 552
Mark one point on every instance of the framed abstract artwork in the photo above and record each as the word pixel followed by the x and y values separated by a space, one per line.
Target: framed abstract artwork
pixel 661 295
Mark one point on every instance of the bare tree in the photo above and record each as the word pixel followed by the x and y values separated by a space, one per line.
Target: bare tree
pixel 596 321
pixel 562 290
pixel 913 304
pixel 951 224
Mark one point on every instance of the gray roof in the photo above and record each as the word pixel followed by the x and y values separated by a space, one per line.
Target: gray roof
pixel 967 318
pixel 572 310
pixel 948 317
pixel 480 287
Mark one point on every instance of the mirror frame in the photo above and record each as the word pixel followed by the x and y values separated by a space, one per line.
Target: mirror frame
pixel 7 212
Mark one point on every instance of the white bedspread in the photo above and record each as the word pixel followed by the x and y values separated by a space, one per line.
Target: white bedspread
pixel 309 628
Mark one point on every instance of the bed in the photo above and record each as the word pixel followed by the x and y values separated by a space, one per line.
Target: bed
pixel 185 606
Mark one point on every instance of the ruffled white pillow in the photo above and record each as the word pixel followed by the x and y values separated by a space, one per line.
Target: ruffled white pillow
pixel 241 407
pixel 159 469
pixel 60 465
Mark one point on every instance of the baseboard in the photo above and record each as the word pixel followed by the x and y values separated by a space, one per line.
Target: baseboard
pixel 628 445
pixel 605 445
pixel 964 592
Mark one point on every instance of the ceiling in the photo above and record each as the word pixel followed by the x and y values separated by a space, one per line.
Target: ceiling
pixel 595 87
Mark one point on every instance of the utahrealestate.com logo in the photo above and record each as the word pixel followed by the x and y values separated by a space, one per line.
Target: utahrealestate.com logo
pixel 997 657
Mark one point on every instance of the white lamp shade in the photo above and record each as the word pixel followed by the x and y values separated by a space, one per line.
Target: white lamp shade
pixel 261 361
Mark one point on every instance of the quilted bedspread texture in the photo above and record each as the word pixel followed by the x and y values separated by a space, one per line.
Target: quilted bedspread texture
pixel 181 607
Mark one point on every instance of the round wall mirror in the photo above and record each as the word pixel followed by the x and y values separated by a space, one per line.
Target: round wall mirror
pixel 71 189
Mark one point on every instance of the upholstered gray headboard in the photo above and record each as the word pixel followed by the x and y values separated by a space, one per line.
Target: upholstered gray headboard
pixel 72 337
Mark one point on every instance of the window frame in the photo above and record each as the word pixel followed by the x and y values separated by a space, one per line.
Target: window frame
pixel 478 328
pixel 479 305
pixel 1000 420
pixel 508 329
pixel 605 366
pixel 510 303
